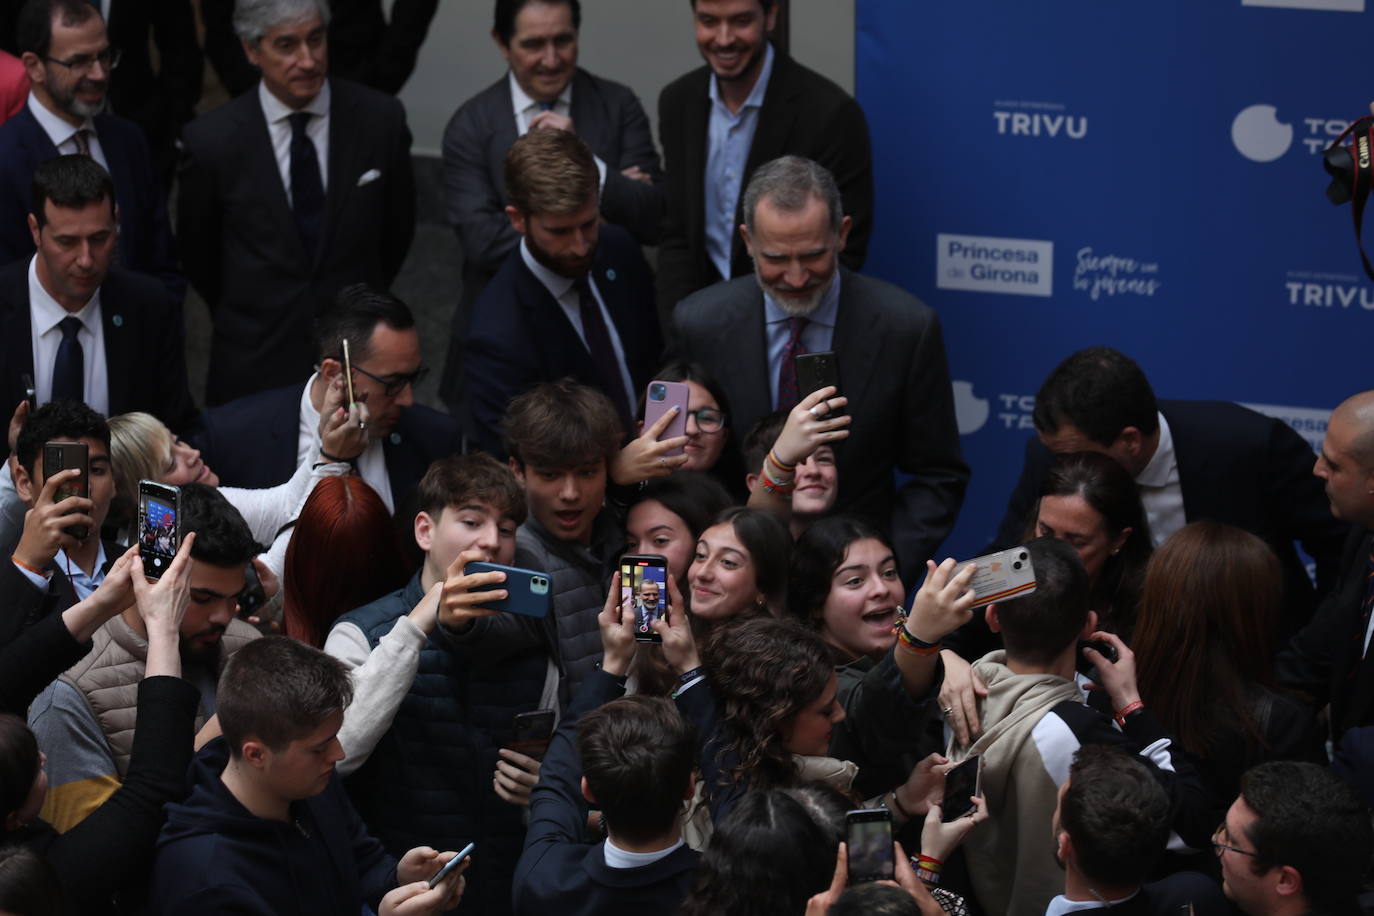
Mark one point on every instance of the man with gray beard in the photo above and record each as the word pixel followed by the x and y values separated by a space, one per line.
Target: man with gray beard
pixel 68 59
pixel 747 333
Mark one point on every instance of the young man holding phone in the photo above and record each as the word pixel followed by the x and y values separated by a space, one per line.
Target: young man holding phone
pixel 268 827
pixel 427 735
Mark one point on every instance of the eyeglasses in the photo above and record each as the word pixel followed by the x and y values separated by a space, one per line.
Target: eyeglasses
pixel 395 384
pixel 709 420
pixel 1217 847
pixel 82 63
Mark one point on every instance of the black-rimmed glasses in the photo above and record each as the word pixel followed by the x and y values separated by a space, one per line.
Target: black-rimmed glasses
pixel 394 384
pixel 82 63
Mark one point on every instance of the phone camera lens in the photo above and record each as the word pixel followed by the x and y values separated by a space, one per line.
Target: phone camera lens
pixel 658 392
pixel 1016 565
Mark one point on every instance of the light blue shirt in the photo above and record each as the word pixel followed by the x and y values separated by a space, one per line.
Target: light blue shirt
pixel 818 334
pixel 728 140
pixel 82 584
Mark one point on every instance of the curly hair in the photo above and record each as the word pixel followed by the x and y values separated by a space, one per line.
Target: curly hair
pixel 763 671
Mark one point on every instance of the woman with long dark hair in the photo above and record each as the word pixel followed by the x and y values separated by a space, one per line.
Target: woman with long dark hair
pixel 1204 647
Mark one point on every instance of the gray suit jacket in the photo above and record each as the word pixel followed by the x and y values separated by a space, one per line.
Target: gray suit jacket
pixel 893 370
pixel 612 122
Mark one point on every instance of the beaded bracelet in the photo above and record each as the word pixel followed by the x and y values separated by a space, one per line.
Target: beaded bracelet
pixel 915 646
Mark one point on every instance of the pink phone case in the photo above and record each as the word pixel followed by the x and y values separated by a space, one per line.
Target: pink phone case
pixel 658 398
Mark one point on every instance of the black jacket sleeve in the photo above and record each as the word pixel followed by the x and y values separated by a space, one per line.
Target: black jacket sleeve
pixel 34 660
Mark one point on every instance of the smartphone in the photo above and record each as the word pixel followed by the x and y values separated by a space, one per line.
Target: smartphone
pixel 1001 576
pixel 159 526
pixel 962 782
pixel 347 370
pixel 452 863
pixel 644 590
pixel 62 456
pixel 868 835
pixel 531 731
pixel 817 370
pixel 30 391
pixel 253 596
pixel 659 398
pixel 527 591
pixel 1104 648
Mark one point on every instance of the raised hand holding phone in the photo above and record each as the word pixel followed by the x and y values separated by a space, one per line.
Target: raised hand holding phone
pixel 648 456
pixel 679 646
pixel 460 601
pixel 616 623
pixel 46 524
pixel 343 426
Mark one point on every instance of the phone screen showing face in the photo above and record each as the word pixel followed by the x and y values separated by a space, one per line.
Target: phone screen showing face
pixel 870 845
pixel 960 784
pixel 157 535
pixel 644 592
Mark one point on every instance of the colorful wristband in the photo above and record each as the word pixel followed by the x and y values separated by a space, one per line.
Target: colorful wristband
pixel 1127 710
pixel 36 572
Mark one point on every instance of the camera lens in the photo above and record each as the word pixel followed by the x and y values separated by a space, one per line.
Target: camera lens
pixel 1016 565
pixel 658 392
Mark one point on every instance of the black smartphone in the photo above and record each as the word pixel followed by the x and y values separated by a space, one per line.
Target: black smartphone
pixel 30 391
pixel 253 596
pixel 868 836
pixel 452 863
pixel 1104 648
pixel 527 591
pixel 62 456
pixel 347 370
pixel 531 731
pixel 817 370
pixel 644 590
pixel 159 526
pixel 963 781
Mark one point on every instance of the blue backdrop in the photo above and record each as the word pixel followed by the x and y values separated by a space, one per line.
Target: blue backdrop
pixel 1142 174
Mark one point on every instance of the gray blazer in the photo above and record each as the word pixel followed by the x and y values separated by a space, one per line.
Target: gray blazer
pixel 893 370
pixel 611 121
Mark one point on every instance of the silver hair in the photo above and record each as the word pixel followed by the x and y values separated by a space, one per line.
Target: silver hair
pixel 253 18
pixel 789 182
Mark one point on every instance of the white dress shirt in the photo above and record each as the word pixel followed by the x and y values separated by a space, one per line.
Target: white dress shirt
pixel 278 113
pixel 729 138
pixel 63 135
pixel 371 464
pixel 45 314
pixel 1160 492
pixel 621 858
pixel 561 288
pixel 526 108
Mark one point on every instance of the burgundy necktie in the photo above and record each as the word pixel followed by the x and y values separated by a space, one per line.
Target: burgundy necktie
pixel 788 394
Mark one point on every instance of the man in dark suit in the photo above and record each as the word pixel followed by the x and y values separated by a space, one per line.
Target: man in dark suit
pixel 891 355
pixel 69 62
pixel 1329 658
pixel 78 328
pixel 365 46
pixel 260 440
pixel 544 89
pixel 1191 460
pixel 573 300
pixel 1110 828
pixel 749 105
pixel 632 757
pixel 288 194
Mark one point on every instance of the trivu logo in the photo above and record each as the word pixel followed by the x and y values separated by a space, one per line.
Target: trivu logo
pixel 1335 6
pixel 1259 135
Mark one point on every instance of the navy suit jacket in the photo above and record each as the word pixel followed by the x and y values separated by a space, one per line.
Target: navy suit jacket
pixel 520 337
pixel 145 238
pixel 145 345
pixel 244 253
pixel 1239 467
pixel 251 443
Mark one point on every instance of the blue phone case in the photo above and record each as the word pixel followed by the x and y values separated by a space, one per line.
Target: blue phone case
pixel 528 591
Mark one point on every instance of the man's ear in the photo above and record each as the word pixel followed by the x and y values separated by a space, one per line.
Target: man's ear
pixel 1089 625
pixel 751 481
pixel 424 530
pixel 250 51
pixel 23 484
pixel 255 753
pixel 1132 440
pixel 1290 881
pixel 691 786
pixel 1063 845
pixel 846 224
pixel 517 219
pixel 35 232
pixel 745 237
pixel 330 368
pixel 33 66
pixel 587 791
pixel 501 46
pixel 990 615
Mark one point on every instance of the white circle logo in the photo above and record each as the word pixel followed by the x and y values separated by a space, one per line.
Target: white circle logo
pixel 970 411
pixel 1259 135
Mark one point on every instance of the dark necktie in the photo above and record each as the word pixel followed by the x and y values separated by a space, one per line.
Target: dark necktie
pixel 307 188
pixel 788 393
pixel 83 141
pixel 69 369
pixel 599 345
pixel 546 106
